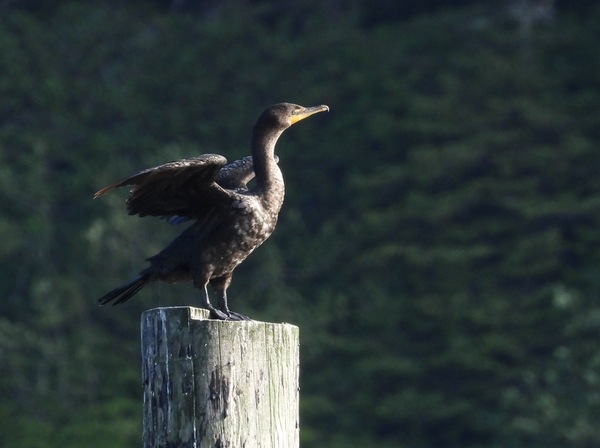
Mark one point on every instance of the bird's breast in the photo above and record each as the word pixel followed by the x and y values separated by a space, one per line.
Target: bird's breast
pixel 250 230
pixel 238 237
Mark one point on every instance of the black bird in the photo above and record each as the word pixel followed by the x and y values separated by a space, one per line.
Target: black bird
pixel 230 219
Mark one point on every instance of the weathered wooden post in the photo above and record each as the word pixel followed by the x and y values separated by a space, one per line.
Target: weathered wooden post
pixel 211 383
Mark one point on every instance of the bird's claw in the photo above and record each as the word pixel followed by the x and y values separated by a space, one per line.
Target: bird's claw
pixel 237 316
pixel 227 315
pixel 218 314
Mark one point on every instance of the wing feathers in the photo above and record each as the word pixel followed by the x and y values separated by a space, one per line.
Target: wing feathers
pixel 173 188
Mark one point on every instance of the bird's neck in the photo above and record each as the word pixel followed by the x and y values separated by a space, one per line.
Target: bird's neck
pixel 268 175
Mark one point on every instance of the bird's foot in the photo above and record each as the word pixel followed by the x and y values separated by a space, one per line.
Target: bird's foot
pixel 227 315
pixel 237 316
pixel 217 314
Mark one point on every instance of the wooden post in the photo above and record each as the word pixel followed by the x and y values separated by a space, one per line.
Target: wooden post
pixel 210 383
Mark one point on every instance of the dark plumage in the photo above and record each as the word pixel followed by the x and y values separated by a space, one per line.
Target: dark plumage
pixel 233 176
pixel 230 219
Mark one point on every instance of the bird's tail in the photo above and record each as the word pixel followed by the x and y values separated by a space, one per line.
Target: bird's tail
pixel 124 292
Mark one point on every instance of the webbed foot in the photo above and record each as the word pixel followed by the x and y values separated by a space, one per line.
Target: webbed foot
pixel 227 315
pixel 237 316
pixel 217 314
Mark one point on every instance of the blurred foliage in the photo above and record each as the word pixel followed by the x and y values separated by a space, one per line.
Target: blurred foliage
pixel 438 246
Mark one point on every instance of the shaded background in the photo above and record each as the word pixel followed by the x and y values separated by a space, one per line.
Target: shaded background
pixel 439 244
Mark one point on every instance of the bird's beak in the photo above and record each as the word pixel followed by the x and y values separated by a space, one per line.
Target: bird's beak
pixel 307 112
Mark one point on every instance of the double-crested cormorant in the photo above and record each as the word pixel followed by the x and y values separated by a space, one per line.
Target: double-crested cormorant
pixel 230 219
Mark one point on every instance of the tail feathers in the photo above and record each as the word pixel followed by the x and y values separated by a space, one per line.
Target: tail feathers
pixel 124 292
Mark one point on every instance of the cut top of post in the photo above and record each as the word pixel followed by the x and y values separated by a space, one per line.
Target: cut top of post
pixel 214 383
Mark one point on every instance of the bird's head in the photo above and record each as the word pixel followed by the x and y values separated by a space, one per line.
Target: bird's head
pixel 281 116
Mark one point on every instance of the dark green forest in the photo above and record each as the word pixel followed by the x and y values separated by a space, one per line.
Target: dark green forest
pixel 439 246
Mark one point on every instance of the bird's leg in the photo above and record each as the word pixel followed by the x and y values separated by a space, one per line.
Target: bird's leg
pixel 214 313
pixel 221 284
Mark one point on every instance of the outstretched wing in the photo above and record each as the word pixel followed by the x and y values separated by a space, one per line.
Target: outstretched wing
pixel 236 174
pixel 184 188
pixel 233 176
